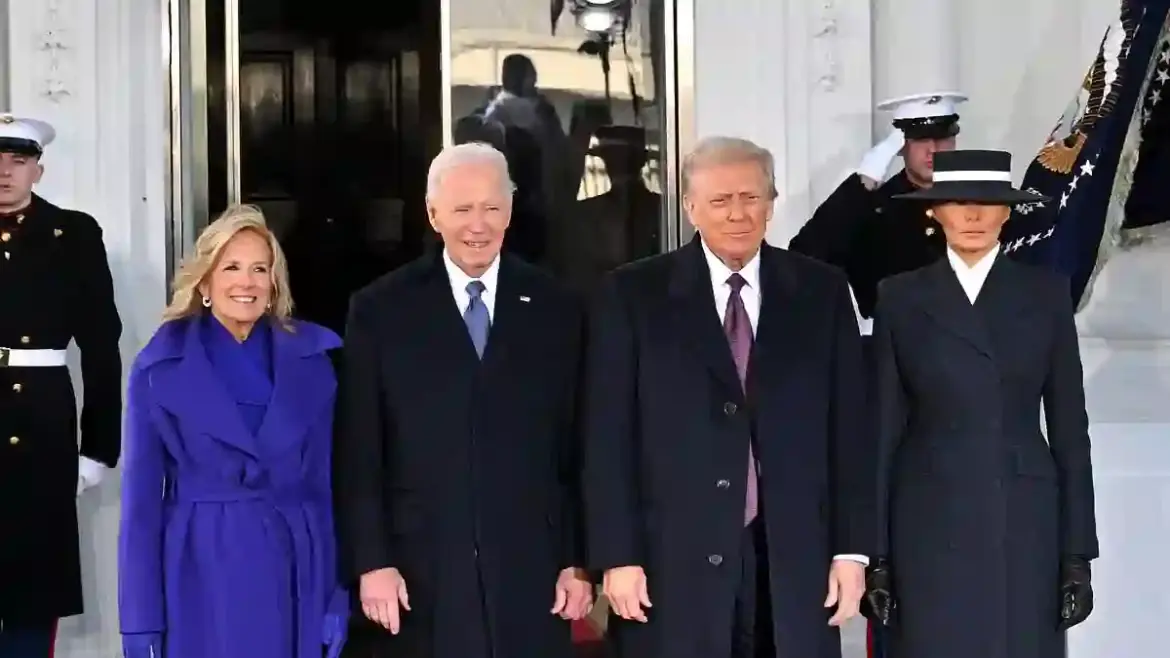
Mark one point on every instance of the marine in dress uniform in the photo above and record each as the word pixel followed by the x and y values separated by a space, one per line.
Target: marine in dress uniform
pixel 861 228
pixel 55 286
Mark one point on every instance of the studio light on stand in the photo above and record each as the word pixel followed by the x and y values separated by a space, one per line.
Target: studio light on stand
pixel 596 20
pixel 601 16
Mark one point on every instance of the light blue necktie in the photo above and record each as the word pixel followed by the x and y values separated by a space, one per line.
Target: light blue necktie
pixel 476 317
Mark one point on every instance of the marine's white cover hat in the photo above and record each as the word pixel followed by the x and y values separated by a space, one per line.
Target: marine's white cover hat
pixel 22 134
pixel 928 115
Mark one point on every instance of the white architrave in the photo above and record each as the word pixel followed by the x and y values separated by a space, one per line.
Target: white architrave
pixel 95 70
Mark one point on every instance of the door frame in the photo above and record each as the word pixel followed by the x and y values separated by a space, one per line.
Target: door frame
pixel 184 35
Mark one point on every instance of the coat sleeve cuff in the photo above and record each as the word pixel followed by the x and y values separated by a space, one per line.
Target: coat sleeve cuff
pixel 853 557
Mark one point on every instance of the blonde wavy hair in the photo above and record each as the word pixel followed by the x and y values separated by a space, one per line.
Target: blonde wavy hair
pixel 187 301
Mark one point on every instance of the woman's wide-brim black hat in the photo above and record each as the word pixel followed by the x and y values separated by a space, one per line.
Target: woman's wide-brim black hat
pixel 974 177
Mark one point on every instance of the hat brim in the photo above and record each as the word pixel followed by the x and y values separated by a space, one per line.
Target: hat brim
pixel 973 193
pixel 21 146
pixel 931 131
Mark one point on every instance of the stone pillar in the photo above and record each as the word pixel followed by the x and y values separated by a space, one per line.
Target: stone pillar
pixel 793 75
pixel 915 49
pixel 95 70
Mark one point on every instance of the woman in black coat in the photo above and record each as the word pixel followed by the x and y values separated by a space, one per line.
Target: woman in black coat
pixel 986 528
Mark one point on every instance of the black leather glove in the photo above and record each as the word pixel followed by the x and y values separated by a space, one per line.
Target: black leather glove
pixel 879 604
pixel 1076 592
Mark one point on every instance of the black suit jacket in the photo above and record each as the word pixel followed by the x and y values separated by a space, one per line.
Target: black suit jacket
pixel 462 474
pixel 971 497
pixel 667 432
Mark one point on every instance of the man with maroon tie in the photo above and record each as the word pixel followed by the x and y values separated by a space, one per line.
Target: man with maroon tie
pixel 726 474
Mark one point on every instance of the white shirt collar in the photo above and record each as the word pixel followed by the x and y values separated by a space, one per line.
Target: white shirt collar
pixel 972 277
pixel 459 280
pixel 720 272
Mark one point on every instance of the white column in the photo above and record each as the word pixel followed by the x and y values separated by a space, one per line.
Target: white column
pixel 794 76
pixel 95 71
pixel 914 49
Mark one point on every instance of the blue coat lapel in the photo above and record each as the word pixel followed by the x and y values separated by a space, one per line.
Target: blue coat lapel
pixel 185 385
pixel 301 385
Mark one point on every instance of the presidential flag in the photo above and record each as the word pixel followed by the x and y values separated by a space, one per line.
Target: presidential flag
pixel 1088 164
pixel 1148 204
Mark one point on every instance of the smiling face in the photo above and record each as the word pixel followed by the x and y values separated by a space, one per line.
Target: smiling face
pixel 470 209
pixel 239 286
pixel 972 229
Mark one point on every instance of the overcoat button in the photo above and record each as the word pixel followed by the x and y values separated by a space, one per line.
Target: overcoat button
pixel 723 484
pixel 715 560
pixel 729 408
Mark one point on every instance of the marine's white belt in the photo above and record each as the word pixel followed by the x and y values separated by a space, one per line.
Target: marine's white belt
pixel 14 358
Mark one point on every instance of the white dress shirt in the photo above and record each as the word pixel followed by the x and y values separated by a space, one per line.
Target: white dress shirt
pixel 971 277
pixel 459 280
pixel 750 294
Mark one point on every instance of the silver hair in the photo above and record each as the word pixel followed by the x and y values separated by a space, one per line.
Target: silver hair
pixel 471 153
pixel 719 150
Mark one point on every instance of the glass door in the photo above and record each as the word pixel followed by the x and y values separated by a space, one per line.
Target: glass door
pixel 328 120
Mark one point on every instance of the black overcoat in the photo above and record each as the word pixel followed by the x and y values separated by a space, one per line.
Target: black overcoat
pixel 55 287
pixel 668 426
pixel 976 509
pixel 462 474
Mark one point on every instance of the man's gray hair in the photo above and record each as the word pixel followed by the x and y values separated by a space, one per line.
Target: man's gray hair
pixel 471 153
pixel 718 150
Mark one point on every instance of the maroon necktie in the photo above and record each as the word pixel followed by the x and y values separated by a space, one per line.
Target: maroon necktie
pixel 738 328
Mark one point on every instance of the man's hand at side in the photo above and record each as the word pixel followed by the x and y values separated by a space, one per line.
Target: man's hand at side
pixel 574 594
pixel 846 587
pixel 382 592
pixel 628 595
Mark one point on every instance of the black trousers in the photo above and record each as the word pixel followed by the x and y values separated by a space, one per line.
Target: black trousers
pixel 752 625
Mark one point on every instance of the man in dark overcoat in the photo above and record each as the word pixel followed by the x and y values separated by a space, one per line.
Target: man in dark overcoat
pixel 456 482
pixel 986 524
pixel 863 228
pixel 55 287
pixel 725 476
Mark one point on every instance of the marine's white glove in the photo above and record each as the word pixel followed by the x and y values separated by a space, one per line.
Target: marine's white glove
pixel 89 474
pixel 864 325
pixel 877 161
